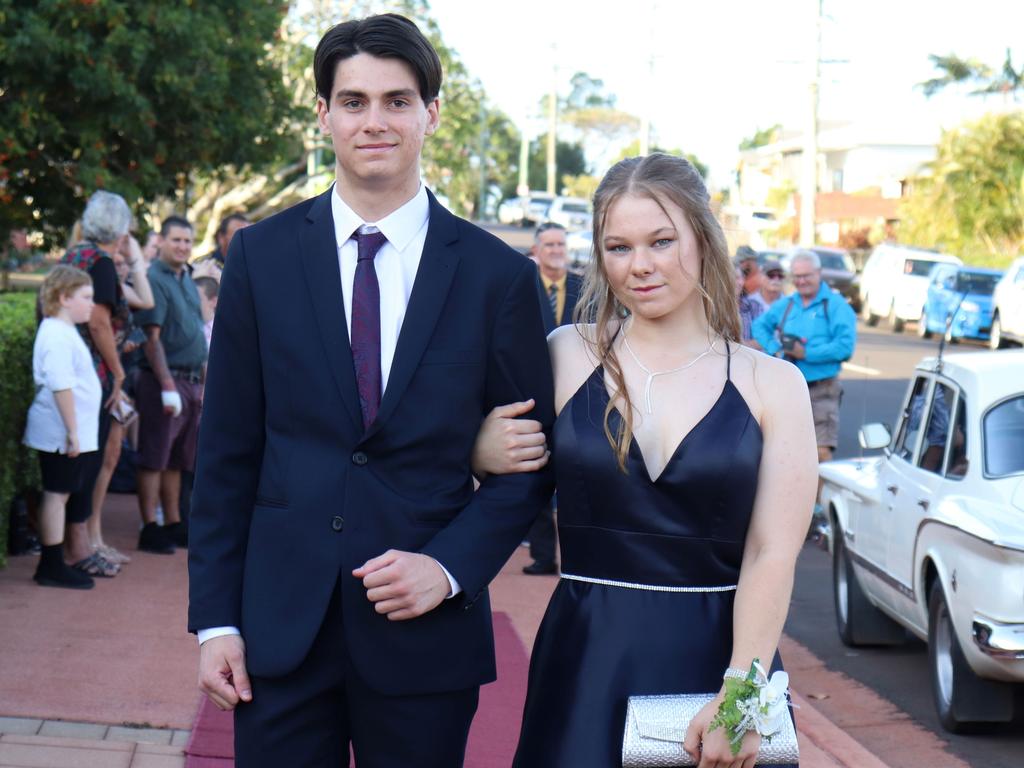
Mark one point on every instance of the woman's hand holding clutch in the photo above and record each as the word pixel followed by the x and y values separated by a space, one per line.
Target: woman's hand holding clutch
pixel 712 748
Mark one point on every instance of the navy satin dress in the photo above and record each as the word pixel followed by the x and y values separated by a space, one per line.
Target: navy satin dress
pixel 611 636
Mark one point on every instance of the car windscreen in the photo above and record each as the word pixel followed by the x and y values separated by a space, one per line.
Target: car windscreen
pixel 919 267
pixel 973 282
pixel 832 261
pixel 575 207
pixel 1003 428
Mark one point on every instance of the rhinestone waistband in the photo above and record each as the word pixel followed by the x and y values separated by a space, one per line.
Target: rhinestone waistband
pixel 648 587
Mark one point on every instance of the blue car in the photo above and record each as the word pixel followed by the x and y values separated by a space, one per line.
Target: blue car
pixel 963 294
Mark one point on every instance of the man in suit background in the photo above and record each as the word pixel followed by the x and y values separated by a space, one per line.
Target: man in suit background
pixel 560 287
pixel 361 337
pixel 559 291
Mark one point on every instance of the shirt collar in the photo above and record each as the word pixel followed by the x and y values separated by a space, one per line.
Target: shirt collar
pixel 399 227
pixel 163 266
pixel 560 282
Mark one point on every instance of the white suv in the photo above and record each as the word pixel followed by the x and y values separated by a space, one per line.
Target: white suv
pixel 894 283
pixel 573 213
pixel 1008 302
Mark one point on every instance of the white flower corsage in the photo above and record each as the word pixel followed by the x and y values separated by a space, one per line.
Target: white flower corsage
pixel 753 703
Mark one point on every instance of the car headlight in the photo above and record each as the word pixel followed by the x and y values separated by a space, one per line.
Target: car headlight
pixel 970 306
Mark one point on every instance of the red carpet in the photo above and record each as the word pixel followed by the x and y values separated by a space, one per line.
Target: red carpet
pixel 492 739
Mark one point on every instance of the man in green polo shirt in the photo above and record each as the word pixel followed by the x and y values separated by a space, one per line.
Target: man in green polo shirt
pixel 170 388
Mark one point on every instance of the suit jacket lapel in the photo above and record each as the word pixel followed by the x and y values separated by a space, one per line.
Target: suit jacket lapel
pixel 323 278
pixel 429 293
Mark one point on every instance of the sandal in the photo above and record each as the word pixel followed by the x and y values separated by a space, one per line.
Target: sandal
pixel 97 566
pixel 112 555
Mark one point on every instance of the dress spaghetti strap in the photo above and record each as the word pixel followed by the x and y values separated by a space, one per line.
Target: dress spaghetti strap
pixel 728 362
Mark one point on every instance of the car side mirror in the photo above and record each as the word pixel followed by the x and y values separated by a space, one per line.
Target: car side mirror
pixel 874 436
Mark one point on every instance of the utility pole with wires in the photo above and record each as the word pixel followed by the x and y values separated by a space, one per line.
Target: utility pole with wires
pixel 552 124
pixel 809 175
pixel 648 90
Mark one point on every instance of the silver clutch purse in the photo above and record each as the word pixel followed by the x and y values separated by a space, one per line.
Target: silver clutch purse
pixel 656 727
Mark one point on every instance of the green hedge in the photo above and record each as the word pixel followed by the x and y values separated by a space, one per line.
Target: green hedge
pixel 18 468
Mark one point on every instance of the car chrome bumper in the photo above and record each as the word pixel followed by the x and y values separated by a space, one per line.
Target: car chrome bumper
pixel 998 640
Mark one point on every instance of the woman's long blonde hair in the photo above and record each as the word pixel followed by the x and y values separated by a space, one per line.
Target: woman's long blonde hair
pixel 663 179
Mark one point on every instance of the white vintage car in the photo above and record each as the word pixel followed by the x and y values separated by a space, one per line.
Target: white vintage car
pixel 929 537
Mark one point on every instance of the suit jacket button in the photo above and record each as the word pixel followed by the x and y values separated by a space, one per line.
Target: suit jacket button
pixel 338 522
pixel 359 459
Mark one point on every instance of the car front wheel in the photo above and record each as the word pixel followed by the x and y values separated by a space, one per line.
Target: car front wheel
pixel 995 339
pixel 895 321
pixel 961 697
pixel 858 621
pixel 922 325
pixel 869 317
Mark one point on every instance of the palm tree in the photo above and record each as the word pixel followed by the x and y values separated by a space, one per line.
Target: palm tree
pixel 954 69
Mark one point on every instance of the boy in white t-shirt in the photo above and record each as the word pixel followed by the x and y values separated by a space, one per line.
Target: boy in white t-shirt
pixel 63 421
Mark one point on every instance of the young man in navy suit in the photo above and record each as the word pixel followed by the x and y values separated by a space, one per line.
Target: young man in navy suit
pixel 339 557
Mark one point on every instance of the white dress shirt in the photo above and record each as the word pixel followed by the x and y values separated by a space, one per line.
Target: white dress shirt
pixel 396 264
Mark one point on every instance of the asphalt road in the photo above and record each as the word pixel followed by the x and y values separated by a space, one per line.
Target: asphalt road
pixel 873 391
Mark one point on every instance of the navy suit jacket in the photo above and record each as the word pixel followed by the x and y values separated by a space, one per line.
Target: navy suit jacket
pixel 573 285
pixel 291 494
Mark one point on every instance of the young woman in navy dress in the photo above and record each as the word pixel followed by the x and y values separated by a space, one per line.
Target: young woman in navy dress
pixel 686 473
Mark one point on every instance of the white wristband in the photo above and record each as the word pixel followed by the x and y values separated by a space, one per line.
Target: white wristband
pixel 733 672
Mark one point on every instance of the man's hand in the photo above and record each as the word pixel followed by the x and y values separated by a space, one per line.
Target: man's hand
pixel 506 444
pixel 222 674
pixel 73 451
pixel 798 352
pixel 171 401
pixel 403 585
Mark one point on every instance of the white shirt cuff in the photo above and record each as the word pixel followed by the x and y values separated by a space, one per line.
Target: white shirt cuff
pixel 209 634
pixel 452 582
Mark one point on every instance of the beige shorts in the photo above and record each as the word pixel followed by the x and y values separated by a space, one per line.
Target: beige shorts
pixel 825 397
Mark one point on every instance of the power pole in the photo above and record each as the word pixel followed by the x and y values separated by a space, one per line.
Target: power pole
pixel 645 118
pixel 809 177
pixel 523 188
pixel 552 124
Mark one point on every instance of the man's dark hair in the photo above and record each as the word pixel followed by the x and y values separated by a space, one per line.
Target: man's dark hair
pixel 208 285
pixel 388 36
pixel 223 227
pixel 174 221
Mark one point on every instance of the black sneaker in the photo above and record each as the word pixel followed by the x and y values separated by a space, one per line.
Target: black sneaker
pixel 177 533
pixel 63 576
pixel 153 538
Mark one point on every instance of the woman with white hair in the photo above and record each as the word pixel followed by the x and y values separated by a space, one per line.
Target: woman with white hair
pixel 105 225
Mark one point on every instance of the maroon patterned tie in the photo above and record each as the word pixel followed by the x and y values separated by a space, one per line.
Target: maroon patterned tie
pixel 366 325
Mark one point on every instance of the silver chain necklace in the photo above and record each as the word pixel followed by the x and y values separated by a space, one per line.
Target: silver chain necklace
pixel 652 374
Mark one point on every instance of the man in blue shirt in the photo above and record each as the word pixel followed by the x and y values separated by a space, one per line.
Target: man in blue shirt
pixel 815 329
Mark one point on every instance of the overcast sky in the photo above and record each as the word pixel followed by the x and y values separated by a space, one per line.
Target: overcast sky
pixel 722 69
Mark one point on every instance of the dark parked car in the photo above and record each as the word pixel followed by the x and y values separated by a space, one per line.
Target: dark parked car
pixel 836 270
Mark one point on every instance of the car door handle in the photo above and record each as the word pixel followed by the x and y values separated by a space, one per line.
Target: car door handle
pixel 923 504
pixel 893 489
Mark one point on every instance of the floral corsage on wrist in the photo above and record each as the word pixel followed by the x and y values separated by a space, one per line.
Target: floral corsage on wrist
pixel 753 702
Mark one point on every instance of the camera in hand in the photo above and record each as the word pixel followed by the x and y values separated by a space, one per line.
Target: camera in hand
pixel 789 340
